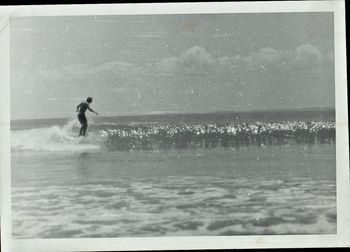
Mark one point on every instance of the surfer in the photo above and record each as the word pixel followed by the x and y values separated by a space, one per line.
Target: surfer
pixel 81 108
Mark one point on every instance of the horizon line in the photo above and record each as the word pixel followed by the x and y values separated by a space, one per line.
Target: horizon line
pixel 309 109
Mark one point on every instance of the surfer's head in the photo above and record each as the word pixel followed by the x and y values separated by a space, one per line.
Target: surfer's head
pixel 89 99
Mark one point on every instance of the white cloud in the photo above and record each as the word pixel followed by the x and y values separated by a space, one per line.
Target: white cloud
pixel 194 60
pixel 307 55
pixel 267 55
pixel 196 57
pixel 263 59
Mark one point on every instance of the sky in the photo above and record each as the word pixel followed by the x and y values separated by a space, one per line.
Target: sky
pixel 151 64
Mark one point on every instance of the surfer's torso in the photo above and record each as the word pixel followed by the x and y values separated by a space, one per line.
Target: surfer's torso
pixel 83 107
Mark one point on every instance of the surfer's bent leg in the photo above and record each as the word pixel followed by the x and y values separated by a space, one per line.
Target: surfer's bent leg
pixel 84 128
pixel 83 121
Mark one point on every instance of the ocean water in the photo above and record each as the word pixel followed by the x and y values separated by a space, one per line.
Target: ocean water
pixel 173 179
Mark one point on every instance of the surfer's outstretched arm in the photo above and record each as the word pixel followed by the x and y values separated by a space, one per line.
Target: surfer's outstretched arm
pixel 92 110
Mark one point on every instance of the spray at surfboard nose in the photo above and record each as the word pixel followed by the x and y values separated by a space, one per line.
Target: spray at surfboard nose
pixel 54 138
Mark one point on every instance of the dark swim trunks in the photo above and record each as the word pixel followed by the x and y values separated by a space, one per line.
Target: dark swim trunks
pixel 82 119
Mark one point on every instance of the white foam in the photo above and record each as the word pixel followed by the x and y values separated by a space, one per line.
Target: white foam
pixel 54 138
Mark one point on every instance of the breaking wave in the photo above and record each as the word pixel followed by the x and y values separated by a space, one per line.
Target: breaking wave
pixel 215 135
pixel 54 138
pixel 112 137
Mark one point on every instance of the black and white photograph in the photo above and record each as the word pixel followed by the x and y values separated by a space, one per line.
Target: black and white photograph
pixel 174 125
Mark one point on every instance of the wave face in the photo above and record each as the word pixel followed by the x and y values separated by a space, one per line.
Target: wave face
pixel 214 135
pixel 114 137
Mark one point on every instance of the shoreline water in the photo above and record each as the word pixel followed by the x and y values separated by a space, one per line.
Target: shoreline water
pixel 288 189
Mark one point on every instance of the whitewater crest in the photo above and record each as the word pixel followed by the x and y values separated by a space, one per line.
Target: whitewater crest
pixel 54 138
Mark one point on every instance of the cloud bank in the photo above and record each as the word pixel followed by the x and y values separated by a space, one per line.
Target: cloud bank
pixel 189 80
pixel 197 60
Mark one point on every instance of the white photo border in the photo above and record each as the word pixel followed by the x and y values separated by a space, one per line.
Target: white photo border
pixel 341 239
